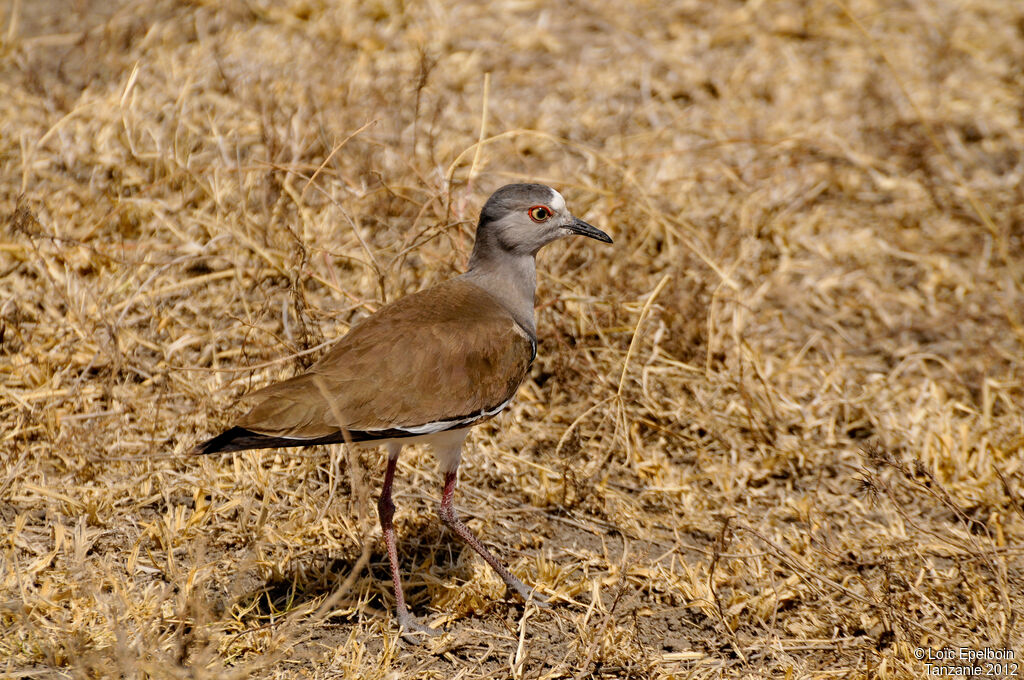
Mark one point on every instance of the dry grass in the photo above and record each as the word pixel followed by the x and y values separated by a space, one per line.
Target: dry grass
pixel 775 431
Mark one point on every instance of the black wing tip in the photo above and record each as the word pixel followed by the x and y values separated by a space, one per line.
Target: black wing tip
pixel 241 439
pixel 233 439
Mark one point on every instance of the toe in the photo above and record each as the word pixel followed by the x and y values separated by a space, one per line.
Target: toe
pixel 410 627
pixel 541 601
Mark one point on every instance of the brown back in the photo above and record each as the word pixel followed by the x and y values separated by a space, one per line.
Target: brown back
pixel 445 353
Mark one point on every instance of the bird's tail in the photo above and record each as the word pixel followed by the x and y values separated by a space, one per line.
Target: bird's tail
pixel 241 439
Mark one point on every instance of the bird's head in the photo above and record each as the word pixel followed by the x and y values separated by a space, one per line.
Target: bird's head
pixel 520 219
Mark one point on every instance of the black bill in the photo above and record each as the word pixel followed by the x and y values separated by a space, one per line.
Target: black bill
pixel 580 227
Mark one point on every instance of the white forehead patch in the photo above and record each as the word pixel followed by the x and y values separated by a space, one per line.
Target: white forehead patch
pixel 557 202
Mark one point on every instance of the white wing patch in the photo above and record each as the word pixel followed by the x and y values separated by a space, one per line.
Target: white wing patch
pixel 442 425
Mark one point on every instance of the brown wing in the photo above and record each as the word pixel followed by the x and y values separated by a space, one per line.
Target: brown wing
pixel 448 353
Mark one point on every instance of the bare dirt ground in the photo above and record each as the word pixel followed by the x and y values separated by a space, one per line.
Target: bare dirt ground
pixel 775 431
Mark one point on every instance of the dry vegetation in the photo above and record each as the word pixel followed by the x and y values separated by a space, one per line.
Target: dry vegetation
pixel 775 431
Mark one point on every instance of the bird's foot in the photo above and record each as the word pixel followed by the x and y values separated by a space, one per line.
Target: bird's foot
pixel 410 627
pixel 529 595
pixel 540 601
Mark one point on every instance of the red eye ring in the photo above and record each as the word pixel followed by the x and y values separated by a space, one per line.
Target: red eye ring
pixel 540 213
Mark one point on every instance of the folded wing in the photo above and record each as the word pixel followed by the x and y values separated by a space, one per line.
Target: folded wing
pixel 446 357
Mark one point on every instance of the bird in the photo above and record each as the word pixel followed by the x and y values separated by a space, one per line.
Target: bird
pixel 426 368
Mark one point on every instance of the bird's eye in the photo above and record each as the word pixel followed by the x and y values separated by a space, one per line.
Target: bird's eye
pixel 539 213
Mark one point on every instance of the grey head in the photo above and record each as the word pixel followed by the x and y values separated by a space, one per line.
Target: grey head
pixel 516 222
pixel 520 219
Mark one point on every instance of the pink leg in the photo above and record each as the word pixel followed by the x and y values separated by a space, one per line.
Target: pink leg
pixel 386 512
pixel 452 521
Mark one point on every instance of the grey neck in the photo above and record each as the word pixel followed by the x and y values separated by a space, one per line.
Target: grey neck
pixel 511 279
